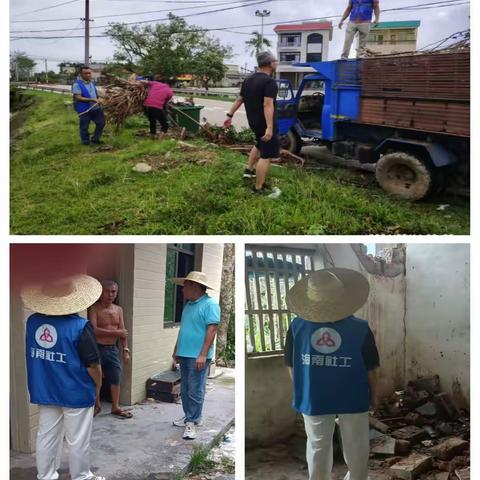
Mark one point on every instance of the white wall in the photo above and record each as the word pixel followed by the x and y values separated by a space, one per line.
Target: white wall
pixel 269 417
pixel 437 316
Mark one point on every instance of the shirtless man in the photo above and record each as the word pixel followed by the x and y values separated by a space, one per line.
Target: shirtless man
pixel 109 328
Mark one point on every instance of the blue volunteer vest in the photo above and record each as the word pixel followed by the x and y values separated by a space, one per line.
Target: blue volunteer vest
pixel 81 107
pixel 329 373
pixel 56 375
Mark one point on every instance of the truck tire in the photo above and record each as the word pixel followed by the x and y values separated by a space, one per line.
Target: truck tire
pixel 291 142
pixel 405 176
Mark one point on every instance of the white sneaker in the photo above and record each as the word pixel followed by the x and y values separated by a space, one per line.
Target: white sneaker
pixel 190 432
pixel 181 423
pixel 96 477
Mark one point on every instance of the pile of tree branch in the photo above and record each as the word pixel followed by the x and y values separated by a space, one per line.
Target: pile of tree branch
pixel 123 99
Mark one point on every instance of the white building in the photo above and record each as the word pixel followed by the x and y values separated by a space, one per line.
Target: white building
pixel 394 37
pixel 305 42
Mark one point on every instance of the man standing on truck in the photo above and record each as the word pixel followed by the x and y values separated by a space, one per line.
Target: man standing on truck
pixel 259 93
pixel 361 12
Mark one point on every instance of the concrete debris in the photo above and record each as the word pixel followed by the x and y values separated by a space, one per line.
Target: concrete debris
pixel 411 467
pixel 449 448
pixel 463 474
pixel 419 433
pixel 142 167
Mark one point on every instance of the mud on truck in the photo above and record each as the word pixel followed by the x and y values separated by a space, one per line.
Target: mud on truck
pixel 409 115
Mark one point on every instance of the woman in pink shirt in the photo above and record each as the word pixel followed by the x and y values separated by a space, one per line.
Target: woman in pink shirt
pixel 159 94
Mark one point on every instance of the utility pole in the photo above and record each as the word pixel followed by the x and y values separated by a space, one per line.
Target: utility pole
pixel 87 32
pixel 262 14
pixel 46 71
pixel 16 69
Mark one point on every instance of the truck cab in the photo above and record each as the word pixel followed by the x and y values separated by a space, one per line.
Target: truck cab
pixel 325 97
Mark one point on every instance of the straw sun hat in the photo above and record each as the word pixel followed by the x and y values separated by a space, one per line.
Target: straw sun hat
pixel 62 297
pixel 198 277
pixel 328 295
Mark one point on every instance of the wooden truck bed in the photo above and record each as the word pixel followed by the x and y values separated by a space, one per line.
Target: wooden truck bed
pixel 429 93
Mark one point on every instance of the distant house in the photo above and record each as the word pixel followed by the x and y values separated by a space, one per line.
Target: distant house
pixel 304 42
pixel 234 76
pixel 69 70
pixel 394 37
pixel 152 307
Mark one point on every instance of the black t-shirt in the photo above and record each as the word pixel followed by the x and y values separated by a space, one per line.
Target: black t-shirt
pixel 369 351
pixel 254 90
pixel 87 347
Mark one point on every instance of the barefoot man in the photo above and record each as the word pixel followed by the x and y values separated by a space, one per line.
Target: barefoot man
pixel 109 328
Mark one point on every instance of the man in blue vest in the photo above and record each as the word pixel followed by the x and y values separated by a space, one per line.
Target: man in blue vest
pixel 64 373
pixel 332 357
pixel 194 348
pixel 360 21
pixel 87 104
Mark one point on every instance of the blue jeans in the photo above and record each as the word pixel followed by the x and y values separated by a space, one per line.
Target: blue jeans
pixel 96 116
pixel 193 388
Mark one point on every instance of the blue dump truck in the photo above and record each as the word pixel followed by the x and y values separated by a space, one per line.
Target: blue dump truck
pixel 409 115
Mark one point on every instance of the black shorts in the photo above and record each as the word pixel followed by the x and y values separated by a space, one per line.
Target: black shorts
pixel 270 149
pixel 111 366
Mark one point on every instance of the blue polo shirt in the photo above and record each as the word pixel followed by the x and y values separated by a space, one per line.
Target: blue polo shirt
pixel 89 86
pixel 196 317
pixel 362 10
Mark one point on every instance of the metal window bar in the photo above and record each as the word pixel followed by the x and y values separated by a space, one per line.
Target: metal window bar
pixel 269 273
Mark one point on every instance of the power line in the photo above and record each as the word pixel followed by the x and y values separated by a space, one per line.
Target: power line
pixel 45 8
pixel 196 14
pixel 442 4
pixel 217 3
pixel 437 4
pixel 117 15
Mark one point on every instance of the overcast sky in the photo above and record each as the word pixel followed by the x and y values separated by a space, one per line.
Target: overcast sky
pixel 437 23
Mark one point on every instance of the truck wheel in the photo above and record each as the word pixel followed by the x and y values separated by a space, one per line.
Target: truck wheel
pixel 291 142
pixel 405 176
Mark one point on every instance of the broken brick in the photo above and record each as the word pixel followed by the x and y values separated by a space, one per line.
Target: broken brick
pixel 378 425
pixel 428 409
pixel 387 445
pixel 411 433
pixel 430 384
pixel 413 418
pixel 411 467
pixel 463 474
pixel 449 448
pixel 443 400
pixel 441 476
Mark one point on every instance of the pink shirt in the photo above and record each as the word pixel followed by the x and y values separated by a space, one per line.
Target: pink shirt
pixel 158 95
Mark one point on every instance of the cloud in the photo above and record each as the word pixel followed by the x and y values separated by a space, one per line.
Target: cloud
pixel 436 23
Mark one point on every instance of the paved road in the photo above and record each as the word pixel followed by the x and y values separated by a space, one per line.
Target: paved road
pixel 215 112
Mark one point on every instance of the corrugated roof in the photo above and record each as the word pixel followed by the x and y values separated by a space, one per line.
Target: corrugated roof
pixel 405 24
pixel 302 27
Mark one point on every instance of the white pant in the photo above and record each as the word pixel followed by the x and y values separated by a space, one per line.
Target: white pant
pixel 363 30
pixel 354 429
pixel 73 424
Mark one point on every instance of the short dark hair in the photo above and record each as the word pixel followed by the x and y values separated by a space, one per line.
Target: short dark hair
pixel 264 59
pixel 84 67
pixel 109 283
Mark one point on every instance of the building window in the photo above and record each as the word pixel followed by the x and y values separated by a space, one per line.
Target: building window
pixel 180 261
pixel 289 57
pixel 290 40
pixel 315 38
pixel 393 39
pixel 269 273
pixel 314 57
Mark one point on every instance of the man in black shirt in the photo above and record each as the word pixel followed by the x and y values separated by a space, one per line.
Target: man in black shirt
pixel 259 93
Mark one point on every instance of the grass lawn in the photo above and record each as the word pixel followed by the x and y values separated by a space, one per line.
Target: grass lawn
pixel 58 186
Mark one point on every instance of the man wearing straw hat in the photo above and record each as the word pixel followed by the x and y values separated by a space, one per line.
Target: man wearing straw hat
pixel 194 347
pixel 64 373
pixel 332 356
